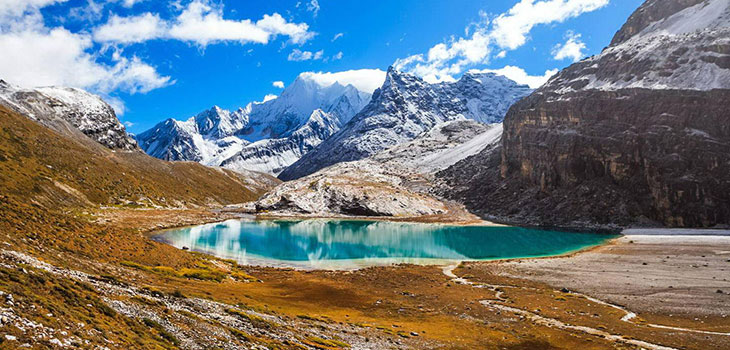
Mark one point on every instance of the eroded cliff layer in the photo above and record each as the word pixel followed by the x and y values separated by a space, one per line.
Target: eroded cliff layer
pixel 637 134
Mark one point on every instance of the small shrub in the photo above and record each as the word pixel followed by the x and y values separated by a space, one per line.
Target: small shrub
pixel 242 276
pixel 134 265
pixel 327 344
pixel 253 319
pixel 239 334
pixel 312 318
pixel 161 330
pixel 165 270
pixel 205 275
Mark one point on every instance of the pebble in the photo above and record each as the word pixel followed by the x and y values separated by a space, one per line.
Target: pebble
pixel 10 337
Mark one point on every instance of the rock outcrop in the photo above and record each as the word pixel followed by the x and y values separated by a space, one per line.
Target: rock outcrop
pixel 639 134
pixel 67 110
pixel 395 182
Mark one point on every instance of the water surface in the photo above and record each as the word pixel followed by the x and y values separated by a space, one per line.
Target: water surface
pixel 320 243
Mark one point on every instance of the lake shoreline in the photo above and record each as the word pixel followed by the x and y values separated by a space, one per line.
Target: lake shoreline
pixel 421 299
pixel 352 244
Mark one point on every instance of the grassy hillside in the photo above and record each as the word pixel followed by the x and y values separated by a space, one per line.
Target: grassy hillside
pixel 49 183
pixel 45 168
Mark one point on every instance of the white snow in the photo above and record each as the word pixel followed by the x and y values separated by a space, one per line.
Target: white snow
pixel 674 53
pixel 263 136
pixel 710 14
pixel 446 158
pixel 444 145
pixel 405 108
pixel 57 106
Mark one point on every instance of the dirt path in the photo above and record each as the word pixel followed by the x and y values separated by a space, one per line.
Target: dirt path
pixel 498 304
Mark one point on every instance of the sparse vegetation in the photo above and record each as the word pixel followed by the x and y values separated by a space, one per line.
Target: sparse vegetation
pixel 164 334
pixel 203 272
pixel 325 344
pixel 253 319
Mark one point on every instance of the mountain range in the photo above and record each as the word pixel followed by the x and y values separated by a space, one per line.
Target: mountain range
pixel 263 136
pixel 337 123
pixel 404 108
pixel 636 135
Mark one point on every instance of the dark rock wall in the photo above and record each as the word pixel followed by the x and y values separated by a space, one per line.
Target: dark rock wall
pixel 669 149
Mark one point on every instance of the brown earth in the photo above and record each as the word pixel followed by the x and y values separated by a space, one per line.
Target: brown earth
pixel 381 307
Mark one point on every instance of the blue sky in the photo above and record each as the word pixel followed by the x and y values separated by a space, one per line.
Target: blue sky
pixel 158 59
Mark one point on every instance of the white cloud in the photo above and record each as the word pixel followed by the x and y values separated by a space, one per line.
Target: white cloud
pixel 363 79
pixel 117 105
pixel 35 55
pixel 337 56
pixel 203 24
pixel 337 36
pixel 267 98
pixel 520 76
pixel 572 49
pixel 39 56
pixel 279 84
pixel 130 3
pixel 447 59
pixel 14 8
pixel 299 55
pixel 128 124
pixel 133 76
pixel 508 31
pixel 275 24
pixel 131 29
pixel 313 7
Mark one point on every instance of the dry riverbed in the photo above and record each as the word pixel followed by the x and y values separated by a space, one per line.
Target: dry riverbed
pixel 674 278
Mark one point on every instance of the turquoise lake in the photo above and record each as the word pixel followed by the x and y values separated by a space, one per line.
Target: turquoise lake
pixel 345 244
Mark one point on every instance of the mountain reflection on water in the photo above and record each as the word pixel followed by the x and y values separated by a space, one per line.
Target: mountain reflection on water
pixel 320 243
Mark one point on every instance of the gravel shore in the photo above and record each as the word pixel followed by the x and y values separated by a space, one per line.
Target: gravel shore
pixel 676 273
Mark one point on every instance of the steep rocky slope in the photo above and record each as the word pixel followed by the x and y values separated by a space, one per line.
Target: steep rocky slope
pixel 56 107
pixel 263 136
pixel 393 183
pixel 636 135
pixel 405 107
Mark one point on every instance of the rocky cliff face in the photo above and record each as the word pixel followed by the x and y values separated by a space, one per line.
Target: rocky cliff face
pixel 404 108
pixel 638 134
pixel 67 110
pixel 274 155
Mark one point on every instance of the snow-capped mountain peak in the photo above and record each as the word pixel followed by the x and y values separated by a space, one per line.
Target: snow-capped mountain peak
pixel 664 45
pixel 266 136
pixel 403 108
pixel 218 123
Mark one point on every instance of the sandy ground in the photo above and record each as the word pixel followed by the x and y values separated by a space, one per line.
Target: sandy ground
pixel 659 274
